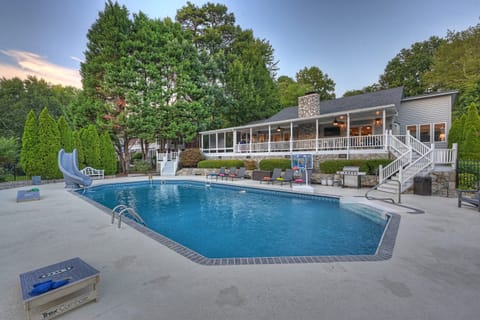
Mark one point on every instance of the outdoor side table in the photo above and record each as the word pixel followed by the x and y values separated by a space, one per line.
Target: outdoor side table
pixel 81 289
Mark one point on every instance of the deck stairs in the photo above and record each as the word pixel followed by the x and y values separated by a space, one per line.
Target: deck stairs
pixel 170 164
pixel 413 158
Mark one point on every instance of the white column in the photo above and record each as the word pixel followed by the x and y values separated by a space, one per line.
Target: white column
pixel 269 136
pixel 234 140
pixel 250 142
pixel 291 136
pixel 348 135
pixel 216 142
pixel 316 135
pixel 383 120
pixel 201 144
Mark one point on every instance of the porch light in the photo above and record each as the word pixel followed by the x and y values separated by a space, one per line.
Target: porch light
pixel 335 122
pixel 377 121
pixel 279 129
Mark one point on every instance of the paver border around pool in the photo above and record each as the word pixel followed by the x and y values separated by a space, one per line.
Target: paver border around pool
pixel 384 250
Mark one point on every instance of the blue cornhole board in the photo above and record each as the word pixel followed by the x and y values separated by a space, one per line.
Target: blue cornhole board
pixel 82 288
pixel 27 195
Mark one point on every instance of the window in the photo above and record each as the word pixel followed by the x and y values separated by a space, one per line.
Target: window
pixel 439 132
pixel 425 133
pixel 331 132
pixel 413 130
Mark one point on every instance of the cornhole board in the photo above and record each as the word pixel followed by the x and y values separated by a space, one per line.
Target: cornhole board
pixel 81 289
pixel 27 195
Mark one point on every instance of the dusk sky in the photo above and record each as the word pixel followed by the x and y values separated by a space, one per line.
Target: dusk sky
pixel 351 41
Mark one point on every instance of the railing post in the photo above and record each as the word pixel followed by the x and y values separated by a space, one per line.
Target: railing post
pixel 380 174
pixel 454 155
pixel 400 177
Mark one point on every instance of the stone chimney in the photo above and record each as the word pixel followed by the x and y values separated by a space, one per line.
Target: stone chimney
pixel 309 105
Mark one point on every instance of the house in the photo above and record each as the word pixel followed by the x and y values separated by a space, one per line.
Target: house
pixel 380 124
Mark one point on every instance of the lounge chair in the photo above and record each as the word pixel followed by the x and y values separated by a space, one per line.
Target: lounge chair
pixel 240 174
pixel 277 172
pixel 287 177
pixel 232 172
pixel 221 173
pixel 471 197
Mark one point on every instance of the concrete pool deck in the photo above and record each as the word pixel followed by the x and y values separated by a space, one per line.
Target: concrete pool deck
pixel 434 272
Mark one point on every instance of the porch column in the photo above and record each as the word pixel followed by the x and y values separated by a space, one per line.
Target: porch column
pixel 291 136
pixel 201 144
pixel 316 136
pixel 383 120
pixel 250 142
pixel 234 140
pixel 269 138
pixel 348 136
pixel 216 142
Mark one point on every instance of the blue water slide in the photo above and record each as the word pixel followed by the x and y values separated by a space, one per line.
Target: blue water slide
pixel 74 178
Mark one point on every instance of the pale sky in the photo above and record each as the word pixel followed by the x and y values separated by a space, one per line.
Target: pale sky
pixel 351 41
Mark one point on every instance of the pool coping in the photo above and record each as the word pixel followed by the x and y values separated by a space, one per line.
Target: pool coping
pixel 384 250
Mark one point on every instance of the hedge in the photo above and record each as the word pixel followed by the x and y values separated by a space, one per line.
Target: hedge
pixel 270 164
pixel 220 163
pixel 368 166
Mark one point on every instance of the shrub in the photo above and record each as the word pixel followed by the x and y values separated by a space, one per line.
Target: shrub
pixel 270 164
pixel 368 166
pixel 220 163
pixel 190 158
pixel 141 166
pixel 467 181
pixel 137 156
pixel 250 164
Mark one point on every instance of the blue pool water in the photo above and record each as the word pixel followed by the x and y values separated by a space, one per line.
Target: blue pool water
pixel 224 222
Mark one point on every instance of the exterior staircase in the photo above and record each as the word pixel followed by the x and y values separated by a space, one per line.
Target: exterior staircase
pixel 413 158
pixel 170 164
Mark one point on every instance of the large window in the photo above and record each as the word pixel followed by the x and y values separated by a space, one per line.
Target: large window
pixel 413 130
pixel 439 132
pixel 425 133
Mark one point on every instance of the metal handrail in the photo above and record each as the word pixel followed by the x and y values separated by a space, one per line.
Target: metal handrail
pixel 124 209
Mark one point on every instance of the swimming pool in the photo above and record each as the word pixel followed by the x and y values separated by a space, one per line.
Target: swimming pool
pixel 219 223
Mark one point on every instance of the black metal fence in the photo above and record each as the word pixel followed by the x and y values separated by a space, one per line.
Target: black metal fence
pixel 468 174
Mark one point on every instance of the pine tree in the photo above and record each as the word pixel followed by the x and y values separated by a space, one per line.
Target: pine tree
pixel 77 142
pixel 91 146
pixel 66 139
pixel 108 156
pixel 48 146
pixel 28 155
pixel 470 148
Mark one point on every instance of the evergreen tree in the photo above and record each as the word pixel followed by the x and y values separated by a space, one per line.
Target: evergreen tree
pixel 455 135
pixel 91 146
pixel 66 138
pixel 472 119
pixel 470 147
pixel 28 155
pixel 77 141
pixel 107 154
pixel 48 146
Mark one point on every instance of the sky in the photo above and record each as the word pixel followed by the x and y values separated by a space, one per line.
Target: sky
pixel 349 40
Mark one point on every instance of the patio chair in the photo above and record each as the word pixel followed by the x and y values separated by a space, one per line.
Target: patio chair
pixel 277 172
pixel 240 174
pixel 232 172
pixel 287 177
pixel 221 173
pixel 471 197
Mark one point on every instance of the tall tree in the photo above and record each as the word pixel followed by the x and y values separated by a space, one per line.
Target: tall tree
pixel 66 138
pixel 48 146
pixel 408 67
pixel 28 155
pixel 91 146
pixel 317 82
pixel 108 157
pixel 110 30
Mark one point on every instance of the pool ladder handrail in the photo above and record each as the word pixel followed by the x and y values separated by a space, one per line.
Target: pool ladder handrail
pixel 124 209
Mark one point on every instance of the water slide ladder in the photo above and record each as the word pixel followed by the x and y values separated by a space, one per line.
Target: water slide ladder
pixel 122 210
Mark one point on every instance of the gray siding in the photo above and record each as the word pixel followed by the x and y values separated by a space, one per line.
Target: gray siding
pixel 428 110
